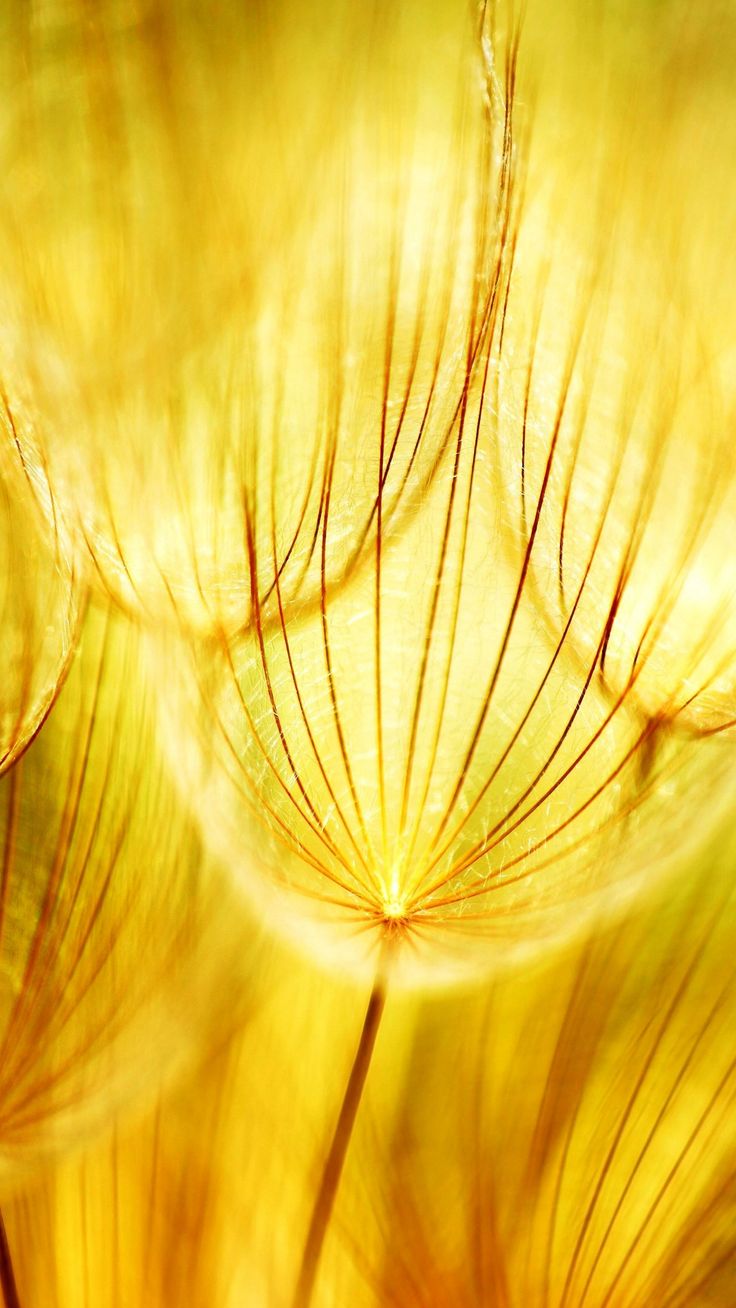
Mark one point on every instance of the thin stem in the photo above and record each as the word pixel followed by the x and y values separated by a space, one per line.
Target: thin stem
pixel 7 1275
pixel 341 1138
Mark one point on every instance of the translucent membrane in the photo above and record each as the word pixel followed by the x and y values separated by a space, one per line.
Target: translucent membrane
pixel 217 292
pixel 420 760
pixel 113 937
pixel 488 733
pixel 618 381
pixel 618 404
pixel 39 593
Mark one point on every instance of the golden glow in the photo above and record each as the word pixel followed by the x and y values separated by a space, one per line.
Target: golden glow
pixel 368 545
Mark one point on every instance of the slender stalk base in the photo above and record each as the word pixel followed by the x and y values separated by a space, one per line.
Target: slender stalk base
pixel 335 1161
pixel 7 1275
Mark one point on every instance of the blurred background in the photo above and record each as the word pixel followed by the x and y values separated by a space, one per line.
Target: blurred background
pixel 209 211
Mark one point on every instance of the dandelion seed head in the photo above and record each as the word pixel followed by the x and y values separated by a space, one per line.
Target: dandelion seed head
pixel 499 703
pixel 433 656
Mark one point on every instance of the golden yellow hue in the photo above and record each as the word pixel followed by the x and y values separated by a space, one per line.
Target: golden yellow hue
pixel 367 398
pixel 41 598
pixel 211 366
pixel 115 939
pixel 578 1115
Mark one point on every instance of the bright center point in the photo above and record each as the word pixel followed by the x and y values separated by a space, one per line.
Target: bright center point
pixel 394 903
